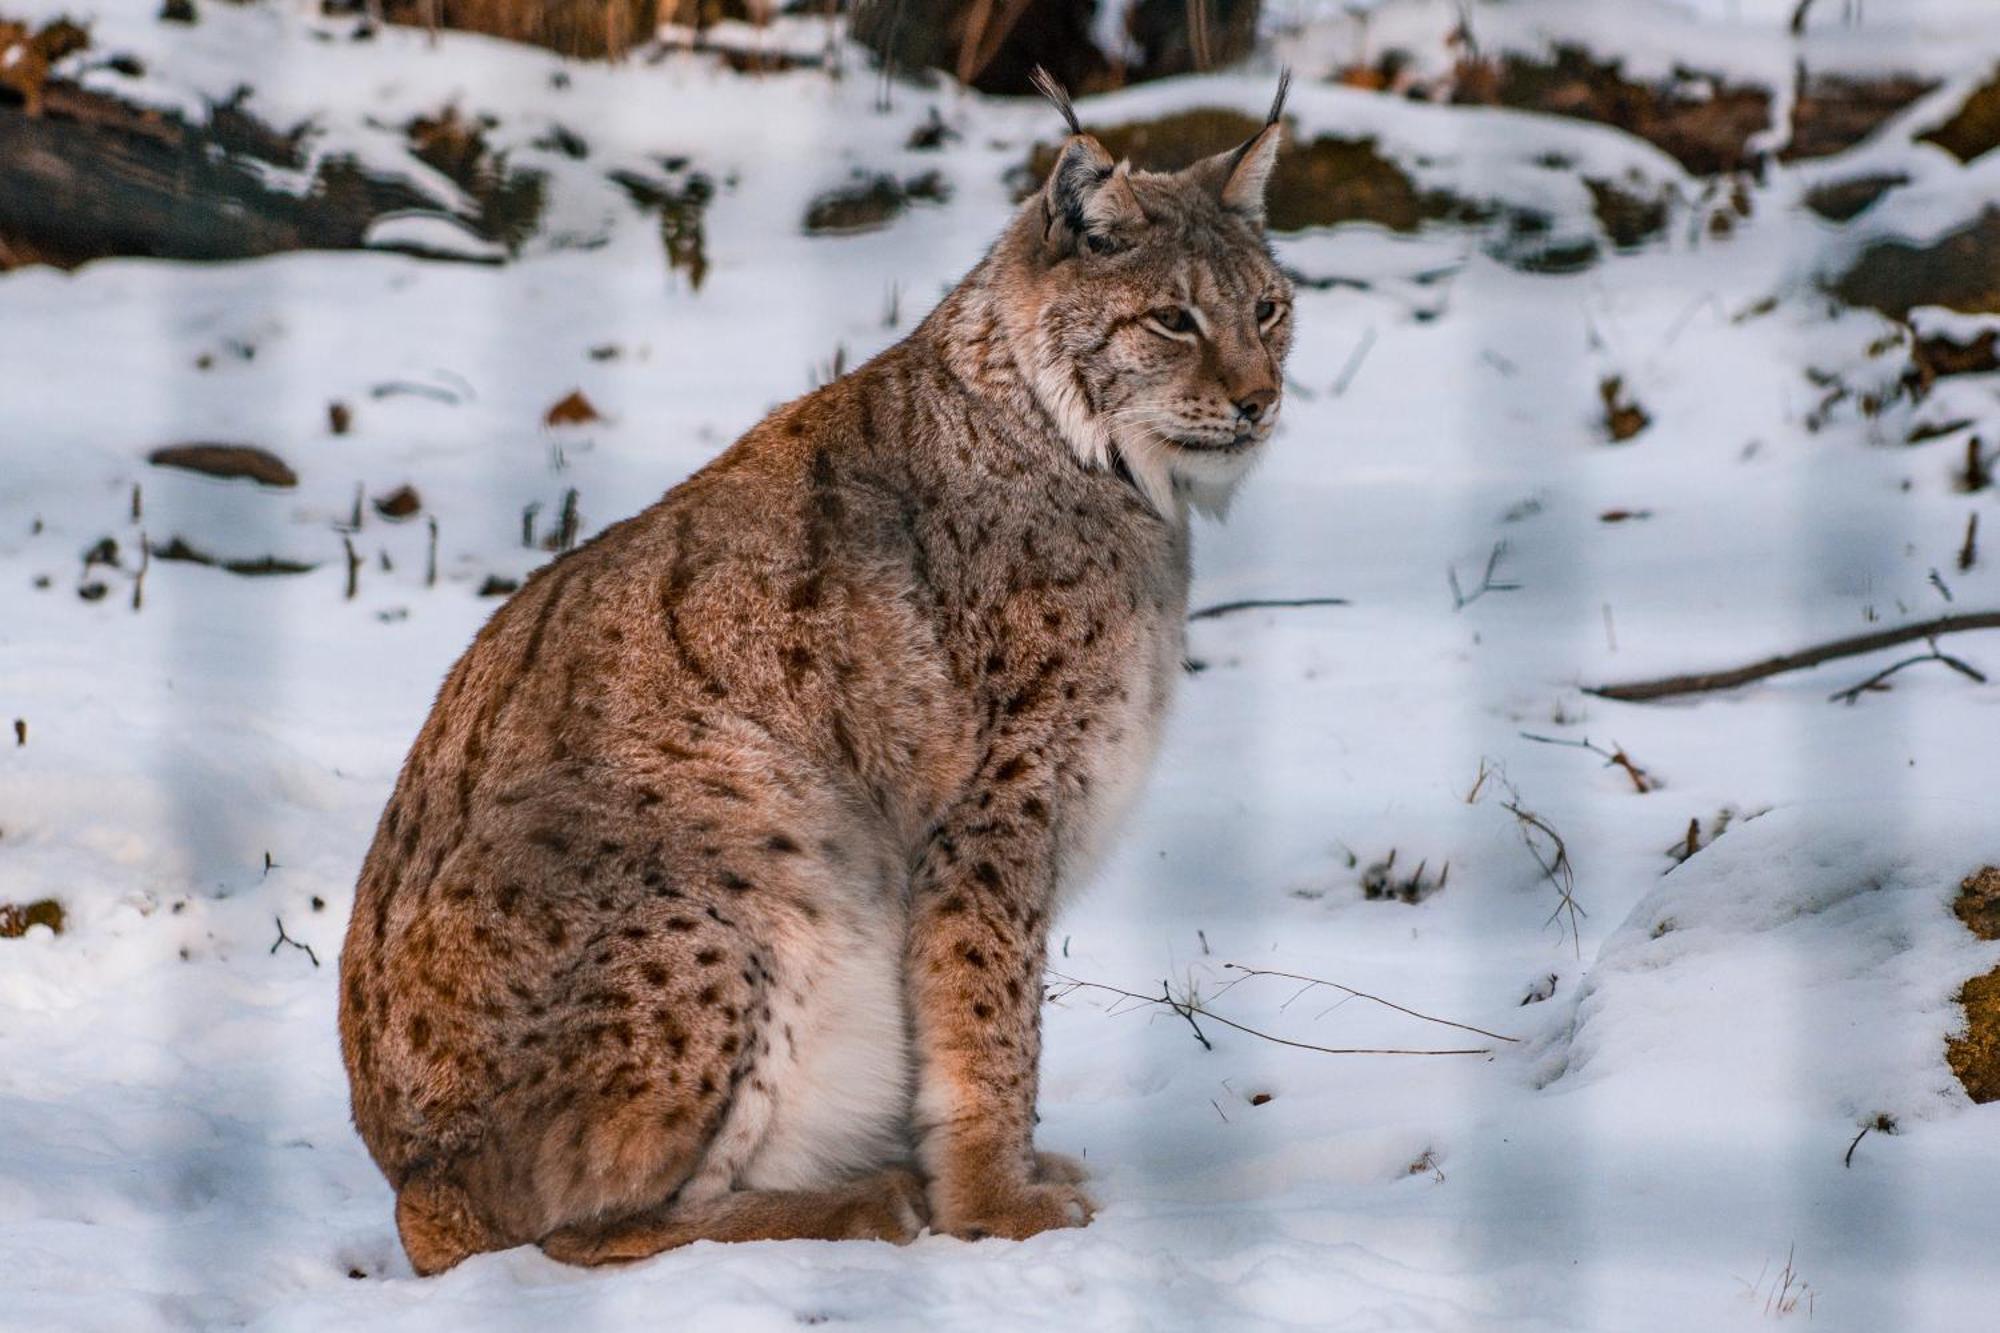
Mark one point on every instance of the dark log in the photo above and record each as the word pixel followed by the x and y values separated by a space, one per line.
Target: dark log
pixel 92 176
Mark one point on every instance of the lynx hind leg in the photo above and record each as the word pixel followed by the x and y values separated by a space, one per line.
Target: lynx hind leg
pixel 1057 1168
pixel 888 1205
pixel 440 1225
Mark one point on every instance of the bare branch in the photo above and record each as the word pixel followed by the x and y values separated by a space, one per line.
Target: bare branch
pixel 1192 1006
pixel 1669 687
pixel 1875 682
pixel 1258 603
pixel 1312 982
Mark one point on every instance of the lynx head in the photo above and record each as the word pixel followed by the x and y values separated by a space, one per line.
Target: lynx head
pixel 1148 312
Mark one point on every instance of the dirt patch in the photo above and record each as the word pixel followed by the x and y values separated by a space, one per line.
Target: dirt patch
pixel 228 461
pixel 1978 904
pixel 1623 417
pixel 1698 119
pixel 1975 1056
pixel 510 202
pixel 1939 356
pixel 1975 129
pixel 15 920
pixel 1960 271
pixel 1833 113
pixel 25 57
pixel 1320 183
pixel 589 28
pixel 1844 200
pixel 679 202
pixel 871 202
pixel 1629 219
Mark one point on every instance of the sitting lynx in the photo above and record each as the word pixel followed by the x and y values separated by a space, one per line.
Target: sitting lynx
pixel 713 898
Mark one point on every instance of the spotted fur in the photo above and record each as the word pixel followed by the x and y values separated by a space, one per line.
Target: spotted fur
pixel 715 891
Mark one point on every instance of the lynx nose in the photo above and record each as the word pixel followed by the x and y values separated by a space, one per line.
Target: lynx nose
pixel 1252 406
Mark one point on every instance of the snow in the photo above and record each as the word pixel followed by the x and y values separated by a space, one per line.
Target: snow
pixel 1670 1124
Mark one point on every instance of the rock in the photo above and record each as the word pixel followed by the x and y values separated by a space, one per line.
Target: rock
pixel 228 461
pixel 1843 200
pixel 1975 129
pixel 1833 113
pixel 1698 119
pixel 399 503
pixel 1960 271
pixel 1317 184
pixel 872 202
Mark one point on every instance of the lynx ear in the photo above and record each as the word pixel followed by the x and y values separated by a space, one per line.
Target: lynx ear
pixel 1088 203
pixel 1239 177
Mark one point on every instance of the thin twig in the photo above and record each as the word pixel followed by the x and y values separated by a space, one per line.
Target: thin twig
pixel 1669 687
pixel 1186 1009
pixel 1853 693
pixel 283 938
pixel 1193 1006
pixel 1460 600
pixel 1311 982
pixel 1642 781
pixel 1258 603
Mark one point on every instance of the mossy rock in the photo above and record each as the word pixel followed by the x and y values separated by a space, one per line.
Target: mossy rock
pixel 1834 112
pixel 1960 271
pixel 1317 183
pixel 1844 200
pixel 1974 130
pixel 1707 129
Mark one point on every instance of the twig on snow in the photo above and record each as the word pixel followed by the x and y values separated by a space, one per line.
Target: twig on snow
pixel 1313 982
pixel 283 938
pixel 1875 682
pixel 1460 599
pixel 1642 781
pixel 1668 687
pixel 1192 1006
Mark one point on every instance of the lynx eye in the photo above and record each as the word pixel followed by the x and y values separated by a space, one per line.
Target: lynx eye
pixel 1267 311
pixel 1173 318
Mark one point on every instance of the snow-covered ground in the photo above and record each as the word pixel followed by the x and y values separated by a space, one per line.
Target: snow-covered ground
pixel 1656 1138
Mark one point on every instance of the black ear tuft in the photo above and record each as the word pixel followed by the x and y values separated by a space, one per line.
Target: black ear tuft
pixel 1278 102
pixel 1045 83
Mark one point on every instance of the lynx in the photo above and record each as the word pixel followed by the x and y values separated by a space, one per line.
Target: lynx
pixel 712 900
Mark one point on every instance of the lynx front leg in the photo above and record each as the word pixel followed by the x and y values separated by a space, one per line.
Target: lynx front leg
pixel 978 931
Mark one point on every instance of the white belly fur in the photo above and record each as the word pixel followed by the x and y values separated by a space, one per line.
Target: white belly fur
pixel 839 1088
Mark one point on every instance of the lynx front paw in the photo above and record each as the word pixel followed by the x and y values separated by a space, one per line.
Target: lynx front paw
pixel 1015 1212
